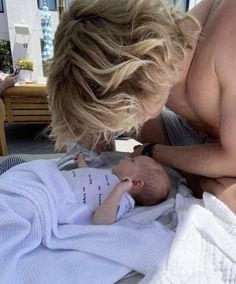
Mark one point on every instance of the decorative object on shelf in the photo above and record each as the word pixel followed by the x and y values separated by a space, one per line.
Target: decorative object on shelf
pixel 26 67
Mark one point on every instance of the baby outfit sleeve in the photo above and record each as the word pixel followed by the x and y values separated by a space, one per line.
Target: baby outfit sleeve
pixel 126 205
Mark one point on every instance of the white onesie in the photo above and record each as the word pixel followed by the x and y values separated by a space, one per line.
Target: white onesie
pixel 91 186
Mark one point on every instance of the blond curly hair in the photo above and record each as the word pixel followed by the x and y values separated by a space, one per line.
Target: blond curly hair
pixel 110 56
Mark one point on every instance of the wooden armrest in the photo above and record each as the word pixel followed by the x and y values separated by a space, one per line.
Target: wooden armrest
pixel 3 145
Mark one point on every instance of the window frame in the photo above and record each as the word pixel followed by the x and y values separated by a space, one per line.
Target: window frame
pixel 67 3
pixel 187 5
pixel 41 2
pixel 1 6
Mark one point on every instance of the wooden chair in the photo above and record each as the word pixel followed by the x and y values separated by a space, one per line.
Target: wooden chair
pixel 26 104
pixel 23 104
pixel 3 145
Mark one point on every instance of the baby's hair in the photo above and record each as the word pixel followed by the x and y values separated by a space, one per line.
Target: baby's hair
pixel 109 56
pixel 156 186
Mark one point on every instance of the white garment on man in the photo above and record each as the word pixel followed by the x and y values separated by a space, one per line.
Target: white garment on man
pixel 91 186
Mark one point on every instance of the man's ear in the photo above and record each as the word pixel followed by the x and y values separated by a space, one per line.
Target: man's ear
pixel 137 184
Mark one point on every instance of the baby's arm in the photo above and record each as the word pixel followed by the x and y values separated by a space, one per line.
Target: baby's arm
pixel 80 161
pixel 106 213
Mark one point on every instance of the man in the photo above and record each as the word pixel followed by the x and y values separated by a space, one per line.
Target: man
pixel 117 63
pixel 206 98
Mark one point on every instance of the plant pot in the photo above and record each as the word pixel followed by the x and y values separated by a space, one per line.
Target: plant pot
pixel 25 76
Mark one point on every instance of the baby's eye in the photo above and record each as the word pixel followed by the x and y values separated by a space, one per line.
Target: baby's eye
pixel 132 160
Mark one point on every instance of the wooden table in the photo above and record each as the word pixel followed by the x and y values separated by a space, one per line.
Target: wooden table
pixel 23 104
pixel 26 104
pixel 3 145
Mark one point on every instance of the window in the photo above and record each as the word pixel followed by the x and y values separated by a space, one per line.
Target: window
pixel 187 5
pixel 181 4
pixel 1 6
pixel 52 6
pixel 67 3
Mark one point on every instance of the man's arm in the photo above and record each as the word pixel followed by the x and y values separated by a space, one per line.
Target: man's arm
pixel 213 186
pixel 201 10
pixel 223 188
pixel 106 213
pixel 211 160
pixel 215 159
pixel 200 184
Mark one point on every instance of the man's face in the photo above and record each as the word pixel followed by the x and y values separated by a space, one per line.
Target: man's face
pixel 131 167
pixel 153 107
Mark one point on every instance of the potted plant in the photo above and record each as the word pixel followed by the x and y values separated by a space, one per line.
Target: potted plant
pixel 5 56
pixel 26 67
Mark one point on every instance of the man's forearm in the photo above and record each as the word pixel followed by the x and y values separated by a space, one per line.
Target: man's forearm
pixel 206 159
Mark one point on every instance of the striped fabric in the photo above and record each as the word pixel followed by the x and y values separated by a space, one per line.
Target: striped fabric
pixel 9 163
pixel 46 24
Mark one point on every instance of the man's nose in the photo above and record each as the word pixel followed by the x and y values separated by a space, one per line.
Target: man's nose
pixel 126 158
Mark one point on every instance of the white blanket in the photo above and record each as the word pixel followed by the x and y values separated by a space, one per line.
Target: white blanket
pixel 204 247
pixel 37 247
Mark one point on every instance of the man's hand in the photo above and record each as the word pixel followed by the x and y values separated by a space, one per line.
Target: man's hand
pixel 138 150
pixel 9 81
pixel 145 149
pixel 223 188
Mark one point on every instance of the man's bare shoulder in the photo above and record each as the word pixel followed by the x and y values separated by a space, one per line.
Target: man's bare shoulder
pixel 220 34
pixel 221 37
pixel 201 11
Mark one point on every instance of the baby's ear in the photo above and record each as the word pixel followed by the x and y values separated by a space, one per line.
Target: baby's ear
pixel 137 184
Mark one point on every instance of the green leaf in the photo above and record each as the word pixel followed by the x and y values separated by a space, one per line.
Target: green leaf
pixel 5 56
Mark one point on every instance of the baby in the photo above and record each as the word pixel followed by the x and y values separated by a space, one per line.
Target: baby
pixel 110 193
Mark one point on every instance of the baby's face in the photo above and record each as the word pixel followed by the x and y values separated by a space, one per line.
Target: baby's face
pixel 131 167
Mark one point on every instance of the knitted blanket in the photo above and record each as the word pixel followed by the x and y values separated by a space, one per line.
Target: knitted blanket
pixel 204 247
pixel 40 242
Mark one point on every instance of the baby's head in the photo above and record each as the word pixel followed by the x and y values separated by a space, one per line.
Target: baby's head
pixel 151 184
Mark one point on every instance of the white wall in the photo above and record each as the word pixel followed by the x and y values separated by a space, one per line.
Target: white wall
pixel 25 12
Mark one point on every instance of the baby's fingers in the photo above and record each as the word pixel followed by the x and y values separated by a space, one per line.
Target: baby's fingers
pixel 127 179
pixel 78 156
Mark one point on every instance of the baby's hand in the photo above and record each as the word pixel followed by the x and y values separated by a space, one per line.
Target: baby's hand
pixel 79 159
pixel 125 185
